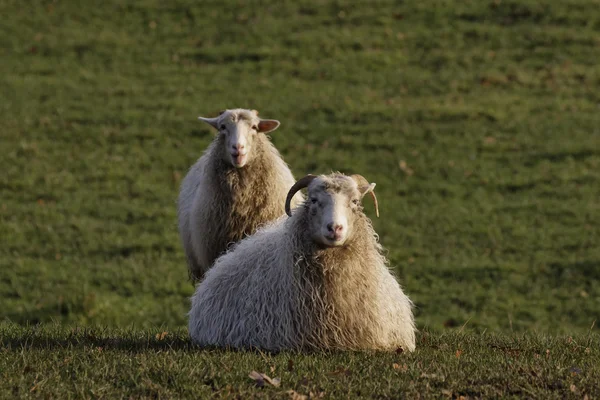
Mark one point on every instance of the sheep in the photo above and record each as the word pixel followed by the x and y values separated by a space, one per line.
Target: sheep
pixel 317 280
pixel 238 184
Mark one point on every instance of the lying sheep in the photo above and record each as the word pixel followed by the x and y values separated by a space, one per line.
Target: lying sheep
pixel 316 280
pixel 238 184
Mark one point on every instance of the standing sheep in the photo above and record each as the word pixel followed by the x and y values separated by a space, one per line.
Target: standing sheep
pixel 317 280
pixel 238 184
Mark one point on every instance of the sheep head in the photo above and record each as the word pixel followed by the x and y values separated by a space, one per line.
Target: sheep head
pixel 240 127
pixel 333 204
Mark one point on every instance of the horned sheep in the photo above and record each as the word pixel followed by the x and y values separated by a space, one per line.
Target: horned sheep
pixel 239 184
pixel 316 280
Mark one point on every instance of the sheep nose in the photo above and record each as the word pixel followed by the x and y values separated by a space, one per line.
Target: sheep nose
pixel 335 228
pixel 238 146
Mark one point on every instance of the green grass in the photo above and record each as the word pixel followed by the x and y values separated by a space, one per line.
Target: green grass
pixel 479 121
pixel 98 363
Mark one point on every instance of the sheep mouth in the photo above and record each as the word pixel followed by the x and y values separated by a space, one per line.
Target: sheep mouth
pixel 239 159
pixel 333 240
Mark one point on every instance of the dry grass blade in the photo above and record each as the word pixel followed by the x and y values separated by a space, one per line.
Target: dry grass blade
pixel 296 396
pixel 261 378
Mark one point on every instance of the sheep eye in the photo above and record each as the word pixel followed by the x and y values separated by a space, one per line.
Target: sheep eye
pixel 355 202
pixel 255 128
pixel 223 127
pixel 313 200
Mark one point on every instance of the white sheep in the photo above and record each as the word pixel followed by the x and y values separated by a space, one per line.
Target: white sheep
pixel 238 184
pixel 316 280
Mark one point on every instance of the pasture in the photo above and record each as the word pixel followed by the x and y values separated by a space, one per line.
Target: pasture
pixel 479 121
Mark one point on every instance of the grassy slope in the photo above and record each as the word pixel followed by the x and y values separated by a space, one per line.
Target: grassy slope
pixel 99 363
pixel 478 120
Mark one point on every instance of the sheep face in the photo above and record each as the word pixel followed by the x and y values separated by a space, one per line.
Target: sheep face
pixel 240 127
pixel 334 202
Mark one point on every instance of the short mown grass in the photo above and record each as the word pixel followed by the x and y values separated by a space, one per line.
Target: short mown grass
pixel 478 120
pixel 58 362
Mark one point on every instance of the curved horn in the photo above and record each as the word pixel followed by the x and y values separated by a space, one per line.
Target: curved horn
pixel 365 187
pixel 300 184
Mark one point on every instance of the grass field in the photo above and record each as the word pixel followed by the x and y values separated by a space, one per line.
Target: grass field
pixel 100 363
pixel 479 121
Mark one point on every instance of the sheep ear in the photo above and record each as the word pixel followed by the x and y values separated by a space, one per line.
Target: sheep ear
pixel 214 122
pixel 268 125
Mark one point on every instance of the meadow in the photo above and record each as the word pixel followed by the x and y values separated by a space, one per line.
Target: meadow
pixel 478 120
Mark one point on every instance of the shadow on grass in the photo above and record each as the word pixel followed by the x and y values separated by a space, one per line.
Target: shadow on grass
pixel 48 341
pixel 56 339
pixel 560 156
pixel 219 58
pixel 29 338
pixel 584 271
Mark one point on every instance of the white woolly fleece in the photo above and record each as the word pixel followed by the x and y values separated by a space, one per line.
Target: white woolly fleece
pixel 277 290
